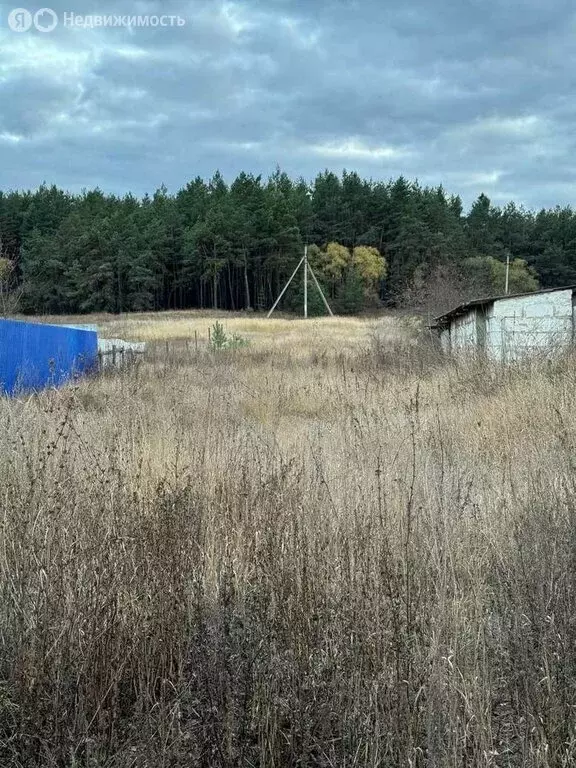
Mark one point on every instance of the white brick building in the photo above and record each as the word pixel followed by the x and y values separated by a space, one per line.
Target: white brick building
pixel 507 328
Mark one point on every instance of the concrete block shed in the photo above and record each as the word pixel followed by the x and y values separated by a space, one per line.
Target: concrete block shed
pixel 507 328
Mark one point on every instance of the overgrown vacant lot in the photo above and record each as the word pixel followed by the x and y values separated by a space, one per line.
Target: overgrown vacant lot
pixel 328 549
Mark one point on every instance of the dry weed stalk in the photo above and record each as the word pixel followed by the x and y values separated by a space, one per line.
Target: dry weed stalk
pixel 263 559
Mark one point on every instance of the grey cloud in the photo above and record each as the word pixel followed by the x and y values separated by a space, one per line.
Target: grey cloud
pixel 475 95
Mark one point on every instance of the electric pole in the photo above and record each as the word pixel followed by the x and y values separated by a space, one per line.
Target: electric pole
pixel 307 269
pixel 305 282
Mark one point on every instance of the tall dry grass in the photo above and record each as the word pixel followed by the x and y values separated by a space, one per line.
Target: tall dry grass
pixel 281 332
pixel 276 558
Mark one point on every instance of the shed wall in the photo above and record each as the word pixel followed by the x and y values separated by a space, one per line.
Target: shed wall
pixel 516 327
pixel 35 356
pixel 114 353
pixel 464 332
pixel 445 343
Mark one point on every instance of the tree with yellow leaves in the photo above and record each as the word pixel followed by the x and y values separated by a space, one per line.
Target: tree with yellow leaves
pixel 353 277
pixel 370 265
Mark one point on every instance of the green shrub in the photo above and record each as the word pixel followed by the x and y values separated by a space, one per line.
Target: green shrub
pixel 220 340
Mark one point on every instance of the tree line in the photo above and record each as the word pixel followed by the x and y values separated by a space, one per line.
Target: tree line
pixel 233 246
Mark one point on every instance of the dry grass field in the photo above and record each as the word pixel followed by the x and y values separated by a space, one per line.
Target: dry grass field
pixel 330 548
pixel 327 336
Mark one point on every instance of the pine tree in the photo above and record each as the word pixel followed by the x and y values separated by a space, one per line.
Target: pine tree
pixel 211 245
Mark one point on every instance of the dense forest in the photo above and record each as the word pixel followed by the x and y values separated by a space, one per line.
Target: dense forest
pixel 233 246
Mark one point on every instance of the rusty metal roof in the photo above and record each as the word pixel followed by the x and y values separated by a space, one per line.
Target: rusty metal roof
pixel 443 320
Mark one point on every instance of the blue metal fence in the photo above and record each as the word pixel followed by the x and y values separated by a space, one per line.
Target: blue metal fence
pixel 35 356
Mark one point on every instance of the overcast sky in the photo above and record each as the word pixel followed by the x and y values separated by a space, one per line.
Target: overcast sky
pixel 478 95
